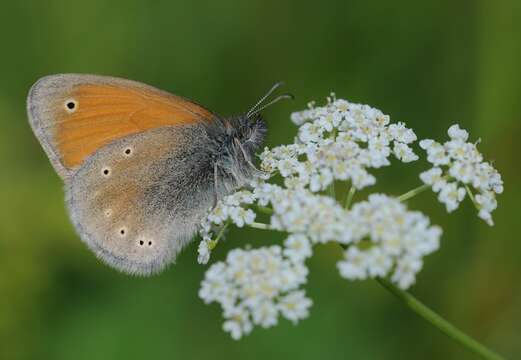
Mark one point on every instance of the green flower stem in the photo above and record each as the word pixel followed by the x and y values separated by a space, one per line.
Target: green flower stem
pixel 472 198
pixel 264 209
pixel 331 190
pixel 349 197
pixel 214 243
pixel 413 192
pixel 260 226
pixel 440 323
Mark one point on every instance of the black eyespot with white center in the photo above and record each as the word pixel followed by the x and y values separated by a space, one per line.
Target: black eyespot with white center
pixel 71 105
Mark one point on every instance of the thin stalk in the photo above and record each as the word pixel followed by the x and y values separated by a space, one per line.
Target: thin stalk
pixel 260 226
pixel 214 243
pixel 413 192
pixel 264 209
pixel 472 198
pixel 438 322
pixel 331 190
pixel 349 197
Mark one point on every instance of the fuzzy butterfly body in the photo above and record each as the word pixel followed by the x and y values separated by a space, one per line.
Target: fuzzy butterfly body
pixel 141 166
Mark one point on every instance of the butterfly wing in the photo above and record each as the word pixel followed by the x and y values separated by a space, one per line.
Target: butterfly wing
pixel 74 115
pixel 137 201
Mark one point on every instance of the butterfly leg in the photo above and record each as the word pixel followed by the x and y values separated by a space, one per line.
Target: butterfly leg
pixel 215 178
pixel 247 158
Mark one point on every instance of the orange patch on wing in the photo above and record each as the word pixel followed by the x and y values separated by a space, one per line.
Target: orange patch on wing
pixel 105 113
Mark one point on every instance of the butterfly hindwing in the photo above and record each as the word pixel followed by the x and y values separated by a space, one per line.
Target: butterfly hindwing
pixel 137 201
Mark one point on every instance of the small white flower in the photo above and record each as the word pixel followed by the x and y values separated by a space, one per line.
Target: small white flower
pixel 436 153
pixel 288 166
pixel 297 247
pixel 406 270
pixel 241 216
pixel 462 171
pixel 321 180
pixel 434 177
pixel 354 267
pixel 425 144
pixel 404 153
pixel 218 214
pixel 203 252
pixel 402 134
pixel 311 132
pixel 487 203
pixel 378 262
pixel 239 323
pixel 239 198
pixel 295 306
pixel 265 314
pixel 456 133
pixel 451 195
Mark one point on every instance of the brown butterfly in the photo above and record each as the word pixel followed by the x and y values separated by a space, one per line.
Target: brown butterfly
pixel 141 166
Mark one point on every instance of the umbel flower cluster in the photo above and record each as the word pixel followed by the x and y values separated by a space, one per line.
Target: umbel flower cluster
pixel 339 143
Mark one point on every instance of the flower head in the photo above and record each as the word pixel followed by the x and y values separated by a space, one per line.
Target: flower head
pixel 339 141
pixel 256 287
pixel 385 235
pixel 458 166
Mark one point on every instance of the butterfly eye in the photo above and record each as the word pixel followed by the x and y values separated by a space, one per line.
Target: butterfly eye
pixel 71 105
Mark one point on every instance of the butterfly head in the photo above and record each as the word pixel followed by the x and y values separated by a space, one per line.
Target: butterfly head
pixel 250 128
pixel 243 136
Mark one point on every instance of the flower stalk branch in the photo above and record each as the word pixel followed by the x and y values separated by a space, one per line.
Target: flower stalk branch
pixel 413 192
pixel 438 322
pixel 349 197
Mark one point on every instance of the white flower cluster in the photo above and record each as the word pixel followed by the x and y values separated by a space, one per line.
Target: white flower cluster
pixel 255 287
pixel 339 141
pixel 387 239
pixel 318 218
pixel 380 236
pixel 457 165
pixel 229 209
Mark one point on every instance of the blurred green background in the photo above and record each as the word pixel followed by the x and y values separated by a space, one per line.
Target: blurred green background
pixel 426 63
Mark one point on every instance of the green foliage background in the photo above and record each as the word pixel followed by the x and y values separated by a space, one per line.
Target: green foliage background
pixel 428 63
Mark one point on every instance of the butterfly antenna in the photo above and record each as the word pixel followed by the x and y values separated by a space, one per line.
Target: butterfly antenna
pixel 276 100
pixel 270 91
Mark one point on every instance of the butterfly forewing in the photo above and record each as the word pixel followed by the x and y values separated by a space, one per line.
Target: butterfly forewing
pixel 75 115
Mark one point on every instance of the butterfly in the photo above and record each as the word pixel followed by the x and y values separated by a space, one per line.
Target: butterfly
pixel 141 166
